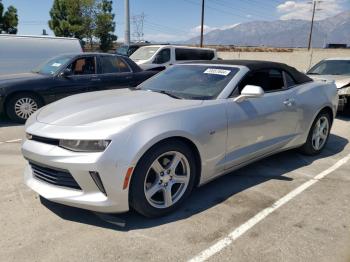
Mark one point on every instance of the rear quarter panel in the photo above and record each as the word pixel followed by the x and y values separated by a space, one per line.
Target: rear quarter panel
pixel 311 98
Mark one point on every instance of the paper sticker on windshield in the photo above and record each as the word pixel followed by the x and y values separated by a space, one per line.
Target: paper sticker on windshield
pixel 215 71
pixel 56 64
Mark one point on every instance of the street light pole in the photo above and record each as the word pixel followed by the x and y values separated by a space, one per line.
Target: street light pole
pixel 202 24
pixel 127 23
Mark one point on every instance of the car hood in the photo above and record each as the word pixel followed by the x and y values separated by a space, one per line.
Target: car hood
pixel 89 108
pixel 20 77
pixel 23 77
pixel 340 80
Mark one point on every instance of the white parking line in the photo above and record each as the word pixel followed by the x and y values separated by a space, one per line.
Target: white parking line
pixel 221 244
pixel 11 141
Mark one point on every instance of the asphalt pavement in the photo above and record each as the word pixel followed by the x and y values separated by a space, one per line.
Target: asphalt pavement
pixel 288 207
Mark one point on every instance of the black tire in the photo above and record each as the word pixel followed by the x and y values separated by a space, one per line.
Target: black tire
pixel 346 111
pixel 138 200
pixel 11 104
pixel 308 148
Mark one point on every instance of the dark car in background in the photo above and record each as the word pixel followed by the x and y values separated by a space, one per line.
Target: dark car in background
pixel 128 50
pixel 22 94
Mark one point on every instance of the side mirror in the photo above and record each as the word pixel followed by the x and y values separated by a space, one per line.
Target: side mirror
pixel 67 73
pixel 250 91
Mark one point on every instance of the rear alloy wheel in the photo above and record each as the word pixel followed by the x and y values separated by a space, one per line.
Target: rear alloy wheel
pixel 22 106
pixel 318 135
pixel 163 179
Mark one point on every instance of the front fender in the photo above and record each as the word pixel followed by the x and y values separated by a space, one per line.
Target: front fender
pixel 204 126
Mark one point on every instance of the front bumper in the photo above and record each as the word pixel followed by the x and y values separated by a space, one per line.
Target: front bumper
pixel 78 165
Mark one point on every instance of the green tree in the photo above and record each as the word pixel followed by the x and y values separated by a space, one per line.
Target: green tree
pixel 66 18
pixel 105 26
pixel 84 19
pixel 89 11
pixel 1 12
pixel 10 20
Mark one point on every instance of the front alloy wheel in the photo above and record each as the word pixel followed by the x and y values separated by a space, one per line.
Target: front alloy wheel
pixel 167 179
pixel 162 179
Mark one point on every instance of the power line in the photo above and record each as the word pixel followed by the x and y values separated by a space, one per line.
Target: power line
pixel 242 10
pixel 218 10
pixel 165 27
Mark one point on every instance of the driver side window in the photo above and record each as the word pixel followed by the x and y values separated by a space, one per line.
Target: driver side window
pixel 269 80
pixel 162 57
pixel 83 66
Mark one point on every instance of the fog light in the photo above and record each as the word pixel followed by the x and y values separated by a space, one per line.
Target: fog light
pixel 97 179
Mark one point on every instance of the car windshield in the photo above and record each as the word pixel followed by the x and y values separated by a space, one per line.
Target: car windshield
pixel 144 53
pixel 202 82
pixel 52 66
pixel 122 50
pixel 331 67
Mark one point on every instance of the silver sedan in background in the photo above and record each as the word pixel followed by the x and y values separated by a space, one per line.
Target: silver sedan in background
pixel 148 147
pixel 337 70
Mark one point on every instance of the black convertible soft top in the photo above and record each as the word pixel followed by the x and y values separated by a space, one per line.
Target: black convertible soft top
pixel 254 65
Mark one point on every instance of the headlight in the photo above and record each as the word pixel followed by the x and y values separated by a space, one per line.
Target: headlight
pixel 85 145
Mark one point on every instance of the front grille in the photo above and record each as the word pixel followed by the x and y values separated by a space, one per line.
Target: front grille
pixel 45 140
pixel 55 177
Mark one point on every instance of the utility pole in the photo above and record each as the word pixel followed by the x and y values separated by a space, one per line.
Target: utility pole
pixel 127 24
pixel 202 24
pixel 314 3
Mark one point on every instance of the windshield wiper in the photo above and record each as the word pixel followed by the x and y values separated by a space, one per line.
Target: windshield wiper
pixel 310 73
pixel 167 93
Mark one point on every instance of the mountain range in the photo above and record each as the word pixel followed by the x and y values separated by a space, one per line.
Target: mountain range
pixel 282 33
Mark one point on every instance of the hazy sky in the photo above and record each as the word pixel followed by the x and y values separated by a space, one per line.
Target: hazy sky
pixel 172 20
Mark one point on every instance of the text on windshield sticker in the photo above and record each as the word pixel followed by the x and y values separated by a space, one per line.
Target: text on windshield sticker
pixel 215 71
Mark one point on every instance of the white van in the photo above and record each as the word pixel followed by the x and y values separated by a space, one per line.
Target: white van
pixel 20 54
pixel 161 56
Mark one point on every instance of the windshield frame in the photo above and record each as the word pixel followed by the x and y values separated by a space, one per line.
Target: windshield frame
pixel 225 92
pixel 310 71
pixel 60 68
pixel 143 48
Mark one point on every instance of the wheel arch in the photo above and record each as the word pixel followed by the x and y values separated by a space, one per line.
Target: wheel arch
pixel 193 146
pixel 326 108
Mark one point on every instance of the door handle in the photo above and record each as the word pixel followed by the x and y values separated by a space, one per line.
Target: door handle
pixel 95 79
pixel 289 102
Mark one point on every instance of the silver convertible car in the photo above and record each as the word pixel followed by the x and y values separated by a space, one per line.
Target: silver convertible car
pixel 147 148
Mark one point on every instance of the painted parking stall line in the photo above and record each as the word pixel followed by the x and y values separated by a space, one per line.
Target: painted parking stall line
pixel 11 141
pixel 239 231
